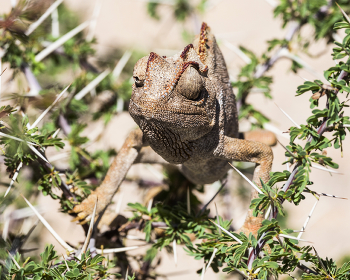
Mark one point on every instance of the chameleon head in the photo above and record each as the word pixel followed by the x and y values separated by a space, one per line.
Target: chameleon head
pixel 172 98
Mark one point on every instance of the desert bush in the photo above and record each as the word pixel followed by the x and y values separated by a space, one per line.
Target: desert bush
pixel 47 112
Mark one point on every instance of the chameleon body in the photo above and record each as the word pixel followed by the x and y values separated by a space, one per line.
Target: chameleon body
pixel 186 110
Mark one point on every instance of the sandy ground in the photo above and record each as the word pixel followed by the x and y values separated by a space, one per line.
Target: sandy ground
pixel 249 23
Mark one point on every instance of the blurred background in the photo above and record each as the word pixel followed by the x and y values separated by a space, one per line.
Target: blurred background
pixel 127 26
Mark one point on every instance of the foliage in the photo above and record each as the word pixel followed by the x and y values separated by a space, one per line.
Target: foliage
pixel 49 267
pixel 274 252
pixel 182 9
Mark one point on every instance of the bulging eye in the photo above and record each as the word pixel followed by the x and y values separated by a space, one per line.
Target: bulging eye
pixel 140 71
pixel 190 84
pixel 138 82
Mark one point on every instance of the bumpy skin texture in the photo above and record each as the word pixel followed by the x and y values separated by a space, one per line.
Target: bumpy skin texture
pixel 186 111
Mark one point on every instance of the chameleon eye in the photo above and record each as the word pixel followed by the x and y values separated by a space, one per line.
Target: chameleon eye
pixel 138 82
pixel 139 73
pixel 190 84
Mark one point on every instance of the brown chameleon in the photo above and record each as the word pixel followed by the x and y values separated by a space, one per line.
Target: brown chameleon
pixel 186 111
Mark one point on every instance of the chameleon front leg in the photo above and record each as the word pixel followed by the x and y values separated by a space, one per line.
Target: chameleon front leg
pixel 115 175
pixel 244 150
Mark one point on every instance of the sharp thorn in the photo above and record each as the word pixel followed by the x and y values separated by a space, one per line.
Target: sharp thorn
pixel 65 262
pixel 203 272
pixel 293 237
pixel 121 64
pixel 34 25
pixel 267 214
pixel 126 274
pixel 238 52
pixel 59 42
pixel 289 152
pixel 93 22
pixel 14 178
pixel 217 218
pixel 48 108
pixel 211 258
pixel 149 206
pixel 92 85
pixel 325 169
pixel 38 153
pixel 227 232
pixel 206 205
pixel 56 133
pixel 345 15
pixel 175 253
pixel 88 236
pixel 16 138
pixel 307 220
pixel 13 259
pixel 298 126
pixel 244 177
pixel 47 225
pixel 116 250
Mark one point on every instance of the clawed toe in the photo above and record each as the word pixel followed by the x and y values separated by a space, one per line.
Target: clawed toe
pixel 85 210
pixel 78 208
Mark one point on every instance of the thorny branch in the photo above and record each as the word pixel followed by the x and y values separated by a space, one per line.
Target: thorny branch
pixel 294 27
pixel 261 243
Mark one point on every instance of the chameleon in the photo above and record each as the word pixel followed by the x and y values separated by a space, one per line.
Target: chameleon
pixel 186 112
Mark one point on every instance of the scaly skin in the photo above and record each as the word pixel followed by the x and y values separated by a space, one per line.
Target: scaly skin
pixel 186 111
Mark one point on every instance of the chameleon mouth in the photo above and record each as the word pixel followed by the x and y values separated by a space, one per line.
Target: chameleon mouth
pixel 153 108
